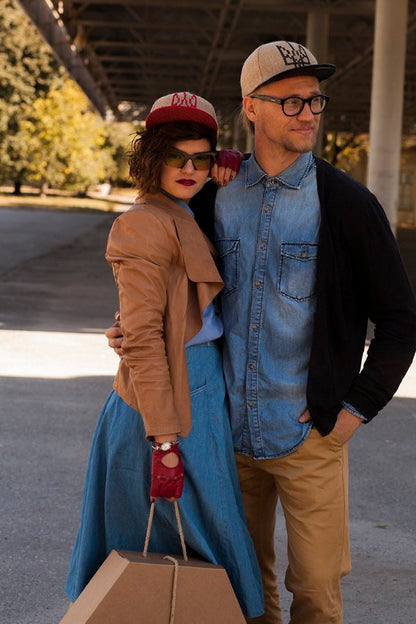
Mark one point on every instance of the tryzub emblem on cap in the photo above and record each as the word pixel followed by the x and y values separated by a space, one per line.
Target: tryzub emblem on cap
pixel 280 59
pixel 294 55
pixel 184 99
pixel 182 106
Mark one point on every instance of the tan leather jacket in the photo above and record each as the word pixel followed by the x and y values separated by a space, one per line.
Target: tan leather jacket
pixel 166 276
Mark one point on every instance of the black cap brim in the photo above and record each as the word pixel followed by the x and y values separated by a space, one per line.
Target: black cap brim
pixel 322 71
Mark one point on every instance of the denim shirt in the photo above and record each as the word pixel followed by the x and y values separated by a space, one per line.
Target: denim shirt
pixel 266 231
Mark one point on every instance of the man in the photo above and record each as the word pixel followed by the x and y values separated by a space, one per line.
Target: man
pixel 307 257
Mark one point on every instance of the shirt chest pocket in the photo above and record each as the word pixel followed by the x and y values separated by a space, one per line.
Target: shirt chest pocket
pixel 297 272
pixel 228 260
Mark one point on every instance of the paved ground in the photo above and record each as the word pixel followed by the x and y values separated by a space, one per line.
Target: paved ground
pixel 56 297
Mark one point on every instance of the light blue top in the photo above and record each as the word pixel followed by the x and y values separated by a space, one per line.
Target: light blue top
pixel 267 232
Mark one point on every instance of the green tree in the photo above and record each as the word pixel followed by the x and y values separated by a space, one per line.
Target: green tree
pixel 345 149
pixel 70 147
pixel 64 143
pixel 120 135
pixel 28 69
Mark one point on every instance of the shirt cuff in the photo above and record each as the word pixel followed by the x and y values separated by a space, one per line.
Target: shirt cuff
pixel 352 410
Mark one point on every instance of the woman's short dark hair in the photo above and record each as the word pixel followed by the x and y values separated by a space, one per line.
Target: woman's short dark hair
pixel 149 147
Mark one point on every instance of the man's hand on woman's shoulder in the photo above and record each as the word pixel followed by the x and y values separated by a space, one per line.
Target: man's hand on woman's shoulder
pixel 114 335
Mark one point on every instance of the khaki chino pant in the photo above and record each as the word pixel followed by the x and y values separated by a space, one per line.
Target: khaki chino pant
pixel 312 485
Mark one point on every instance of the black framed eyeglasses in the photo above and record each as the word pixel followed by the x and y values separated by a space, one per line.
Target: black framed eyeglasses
pixel 202 161
pixel 294 105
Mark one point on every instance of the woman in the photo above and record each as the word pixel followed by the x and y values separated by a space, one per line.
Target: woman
pixel 167 415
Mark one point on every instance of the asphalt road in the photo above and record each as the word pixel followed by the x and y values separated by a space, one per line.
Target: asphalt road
pixel 56 298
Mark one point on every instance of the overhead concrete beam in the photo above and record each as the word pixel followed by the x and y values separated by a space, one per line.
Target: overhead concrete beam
pixel 47 21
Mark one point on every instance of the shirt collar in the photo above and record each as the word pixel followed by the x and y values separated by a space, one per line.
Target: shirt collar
pixel 178 201
pixel 291 177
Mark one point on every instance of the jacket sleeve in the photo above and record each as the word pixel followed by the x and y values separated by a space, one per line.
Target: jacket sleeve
pixel 385 290
pixel 140 250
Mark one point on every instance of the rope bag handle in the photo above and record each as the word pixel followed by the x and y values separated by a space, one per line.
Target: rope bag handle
pixel 172 559
pixel 180 530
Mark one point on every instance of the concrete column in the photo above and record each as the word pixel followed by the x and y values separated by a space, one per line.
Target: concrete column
pixel 387 104
pixel 317 32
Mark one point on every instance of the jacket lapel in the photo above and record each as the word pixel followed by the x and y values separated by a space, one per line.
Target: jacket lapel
pixel 197 249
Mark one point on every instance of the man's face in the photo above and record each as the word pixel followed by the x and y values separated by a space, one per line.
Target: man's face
pixel 288 136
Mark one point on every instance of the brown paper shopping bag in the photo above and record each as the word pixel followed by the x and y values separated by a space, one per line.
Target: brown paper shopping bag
pixel 152 588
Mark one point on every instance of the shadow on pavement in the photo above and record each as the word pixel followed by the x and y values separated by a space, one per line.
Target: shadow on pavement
pixel 46 429
pixel 70 288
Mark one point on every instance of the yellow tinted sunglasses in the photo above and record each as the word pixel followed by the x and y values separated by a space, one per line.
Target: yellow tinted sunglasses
pixel 202 161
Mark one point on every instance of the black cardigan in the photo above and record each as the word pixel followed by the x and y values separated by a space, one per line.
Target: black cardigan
pixel 360 276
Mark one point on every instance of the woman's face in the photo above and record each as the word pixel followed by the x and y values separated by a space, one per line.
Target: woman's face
pixel 184 182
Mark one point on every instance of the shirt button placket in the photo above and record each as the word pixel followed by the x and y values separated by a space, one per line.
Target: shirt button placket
pixel 256 307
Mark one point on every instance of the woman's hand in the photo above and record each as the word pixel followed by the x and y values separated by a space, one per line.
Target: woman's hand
pixel 226 167
pixel 167 473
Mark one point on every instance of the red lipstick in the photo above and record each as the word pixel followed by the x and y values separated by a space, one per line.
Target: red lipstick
pixel 186 182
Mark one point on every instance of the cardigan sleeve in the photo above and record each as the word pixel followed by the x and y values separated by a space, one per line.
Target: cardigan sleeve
pixel 140 261
pixel 360 276
pixel 384 289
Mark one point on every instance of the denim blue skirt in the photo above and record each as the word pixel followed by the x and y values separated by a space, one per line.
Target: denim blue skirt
pixel 116 500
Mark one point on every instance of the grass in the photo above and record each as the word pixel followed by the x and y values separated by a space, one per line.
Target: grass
pixel 118 200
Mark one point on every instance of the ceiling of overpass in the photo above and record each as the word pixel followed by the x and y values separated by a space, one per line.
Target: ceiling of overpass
pixel 133 51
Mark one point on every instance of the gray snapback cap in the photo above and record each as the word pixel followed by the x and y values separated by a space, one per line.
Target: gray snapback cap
pixel 280 59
